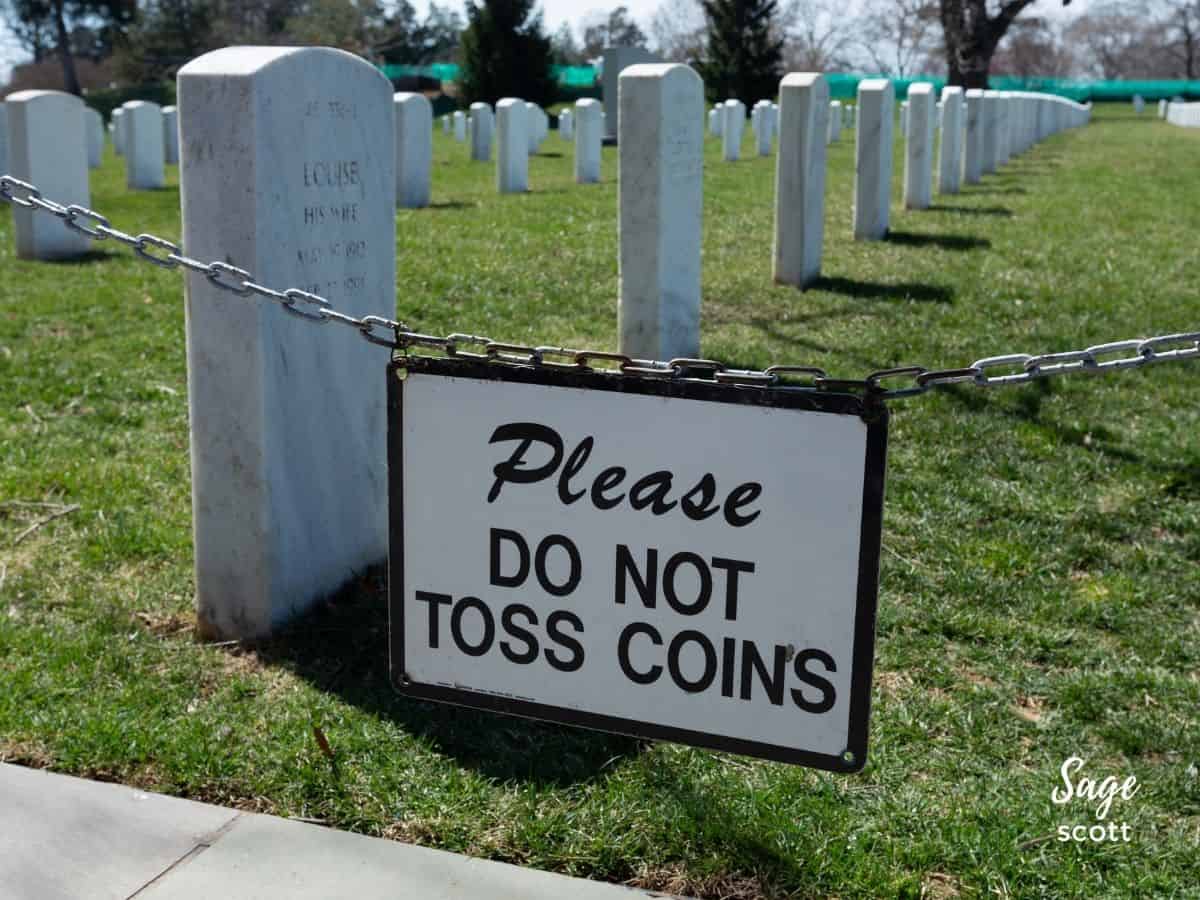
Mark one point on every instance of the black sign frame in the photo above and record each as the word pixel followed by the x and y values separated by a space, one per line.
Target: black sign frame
pixel 874 413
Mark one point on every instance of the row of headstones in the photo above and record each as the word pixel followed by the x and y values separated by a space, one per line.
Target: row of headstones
pixel 519 129
pixel 1176 112
pixel 464 130
pixel 293 179
pixel 727 122
pixel 53 138
pixel 147 136
pixel 980 131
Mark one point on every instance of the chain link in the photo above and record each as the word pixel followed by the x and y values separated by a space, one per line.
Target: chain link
pixel 903 381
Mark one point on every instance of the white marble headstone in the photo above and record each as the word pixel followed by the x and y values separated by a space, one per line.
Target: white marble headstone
pixel 733 127
pixel 482 126
pixel 118 131
pixel 973 136
pixel 873 159
pixel 3 140
pixel 512 146
pixel 170 119
pixel 531 127
pixel 764 129
pixel 566 125
pixel 589 138
pixel 950 149
pixel 93 124
pixel 144 152
pixel 460 126
pixel 414 150
pixel 918 156
pixel 1004 107
pixel 288 172
pixel 800 178
pixel 990 156
pixel 660 200
pixel 47 148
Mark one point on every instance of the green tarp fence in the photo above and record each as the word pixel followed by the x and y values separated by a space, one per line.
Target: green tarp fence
pixel 567 76
pixel 844 86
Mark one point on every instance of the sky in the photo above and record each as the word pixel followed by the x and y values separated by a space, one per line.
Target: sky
pixel 555 13
pixel 558 11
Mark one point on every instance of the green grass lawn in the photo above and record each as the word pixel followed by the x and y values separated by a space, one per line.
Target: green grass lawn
pixel 1040 584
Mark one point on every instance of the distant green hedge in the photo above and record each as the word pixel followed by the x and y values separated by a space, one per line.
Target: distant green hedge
pixel 106 100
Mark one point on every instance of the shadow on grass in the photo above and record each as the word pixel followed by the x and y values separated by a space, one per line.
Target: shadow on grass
pixel 957 242
pixel 804 347
pixel 999 211
pixel 341 648
pixel 453 204
pixel 1023 169
pixel 1182 479
pixel 716 828
pixel 976 192
pixel 871 290
pixel 85 259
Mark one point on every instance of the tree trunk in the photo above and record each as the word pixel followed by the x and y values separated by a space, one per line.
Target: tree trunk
pixel 971 40
pixel 70 76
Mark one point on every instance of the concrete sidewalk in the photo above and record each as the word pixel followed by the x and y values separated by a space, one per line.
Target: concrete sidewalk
pixel 63 837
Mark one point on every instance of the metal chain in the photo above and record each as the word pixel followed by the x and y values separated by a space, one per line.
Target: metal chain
pixel 887 384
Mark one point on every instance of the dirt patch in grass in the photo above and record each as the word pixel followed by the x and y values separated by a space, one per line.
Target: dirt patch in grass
pixel 675 880
pixel 893 683
pixel 1030 708
pixel 166 624
pixel 26 753
pixel 940 886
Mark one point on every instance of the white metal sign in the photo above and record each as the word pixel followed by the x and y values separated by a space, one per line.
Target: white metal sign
pixel 671 559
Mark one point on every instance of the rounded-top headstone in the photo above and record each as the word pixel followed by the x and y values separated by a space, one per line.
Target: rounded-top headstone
pixel 118 131
pixel 482 126
pixel 3 140
pixel 288 171
pixel 800 177
pixel 414 150
pixel 145 153
pixel 512 146
pixel 660 207
pixel 170 134
pixel 93 124
pixel 589 138
pixel 48 148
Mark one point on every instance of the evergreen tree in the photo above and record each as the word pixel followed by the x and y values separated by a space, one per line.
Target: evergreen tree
pixel 505 53
pixel 744 58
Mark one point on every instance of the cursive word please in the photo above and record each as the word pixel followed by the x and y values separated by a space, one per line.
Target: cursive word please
pixel 654 491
